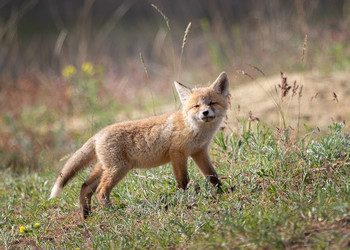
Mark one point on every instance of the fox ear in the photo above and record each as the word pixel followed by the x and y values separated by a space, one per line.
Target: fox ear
pixel 183 91
pixel 221 84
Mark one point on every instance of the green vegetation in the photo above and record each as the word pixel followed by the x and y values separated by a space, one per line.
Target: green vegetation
pixel 284 187
pixel 278 193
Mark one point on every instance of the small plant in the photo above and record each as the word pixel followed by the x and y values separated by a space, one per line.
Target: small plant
pixel 85 84
pixel 335 145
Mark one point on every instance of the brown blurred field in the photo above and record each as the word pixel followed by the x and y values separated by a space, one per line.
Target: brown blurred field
pixel 136 57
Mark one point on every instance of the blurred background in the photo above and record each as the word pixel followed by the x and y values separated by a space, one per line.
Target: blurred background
pixel 69 68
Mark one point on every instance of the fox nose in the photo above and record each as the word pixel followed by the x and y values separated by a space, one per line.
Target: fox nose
pixel 205 113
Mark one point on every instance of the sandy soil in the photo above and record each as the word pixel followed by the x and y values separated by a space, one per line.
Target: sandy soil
pixel 324 98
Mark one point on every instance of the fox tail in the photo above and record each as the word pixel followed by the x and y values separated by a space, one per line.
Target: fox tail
pixel 75 163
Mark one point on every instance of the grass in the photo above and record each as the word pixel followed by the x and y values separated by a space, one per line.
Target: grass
pixel 282 188
pixel 278 194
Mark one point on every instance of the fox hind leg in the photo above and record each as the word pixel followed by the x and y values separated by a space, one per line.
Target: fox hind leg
pixel 87 190
pixel 110 177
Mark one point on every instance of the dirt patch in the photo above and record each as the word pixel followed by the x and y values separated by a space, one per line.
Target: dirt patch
pixel 324 98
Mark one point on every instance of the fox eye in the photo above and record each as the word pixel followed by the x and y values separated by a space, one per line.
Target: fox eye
pixel 212 103
pixel 196 106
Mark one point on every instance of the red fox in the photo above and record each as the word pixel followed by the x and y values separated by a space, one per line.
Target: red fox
pixel 151 142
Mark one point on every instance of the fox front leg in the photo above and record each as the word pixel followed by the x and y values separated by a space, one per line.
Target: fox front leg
pixel 201 158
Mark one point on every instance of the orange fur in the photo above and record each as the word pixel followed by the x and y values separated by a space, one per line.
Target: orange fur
pixel 151 142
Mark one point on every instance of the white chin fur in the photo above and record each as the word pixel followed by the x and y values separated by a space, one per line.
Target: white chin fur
pixel 56 190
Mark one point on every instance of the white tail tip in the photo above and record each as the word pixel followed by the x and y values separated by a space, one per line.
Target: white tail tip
pixel 56 190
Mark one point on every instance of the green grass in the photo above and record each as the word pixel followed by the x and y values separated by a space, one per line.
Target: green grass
pixel 278 193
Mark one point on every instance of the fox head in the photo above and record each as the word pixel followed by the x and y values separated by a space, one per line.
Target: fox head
pixel 206 105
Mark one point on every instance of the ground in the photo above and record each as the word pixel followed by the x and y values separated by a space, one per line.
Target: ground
pixel 318 104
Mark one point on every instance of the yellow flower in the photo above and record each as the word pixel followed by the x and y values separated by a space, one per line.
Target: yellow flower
pixel 36 225
pixel 68 71
pixel 22 229
pixel 87 68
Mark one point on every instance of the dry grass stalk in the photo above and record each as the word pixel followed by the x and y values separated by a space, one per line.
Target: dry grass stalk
pixel 144 65
pixel 301 91
pixel 314 96
pixel 253 118
pixel 335 97
pixel 143 176
pixel 299 106
pixel 257 69
pixel 185 37
pixel 304 48
pixel 187 31
pixel 245 73
pixel 166 19
pixel 284 86
pixel 295 88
